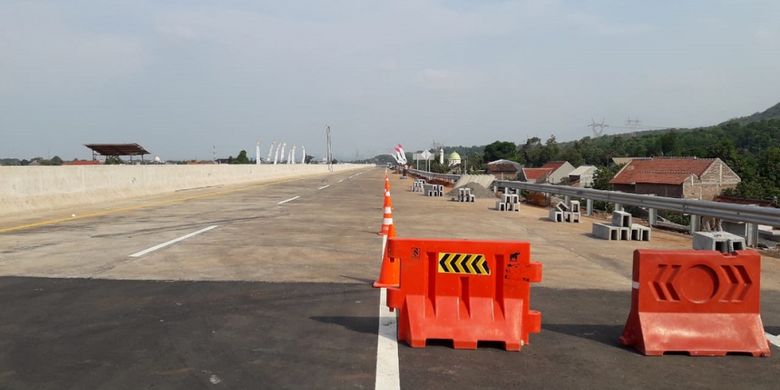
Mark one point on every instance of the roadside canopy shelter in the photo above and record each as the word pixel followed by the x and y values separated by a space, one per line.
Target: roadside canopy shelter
pixel 117 150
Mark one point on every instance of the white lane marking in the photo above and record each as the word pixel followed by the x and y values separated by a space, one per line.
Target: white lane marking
pixel 387 375
pixel 164 244
pixel 289 200
pixel 341 181
pixel 323 187
pixel 773 339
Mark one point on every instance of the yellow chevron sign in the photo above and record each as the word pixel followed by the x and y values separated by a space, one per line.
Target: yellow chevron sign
pixel 463 263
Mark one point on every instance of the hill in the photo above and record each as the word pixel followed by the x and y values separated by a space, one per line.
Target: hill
pixel 749 145
pixel 770 113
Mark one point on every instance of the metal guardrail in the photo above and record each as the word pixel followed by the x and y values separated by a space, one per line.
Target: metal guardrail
pixel 433 175
pixel 725 211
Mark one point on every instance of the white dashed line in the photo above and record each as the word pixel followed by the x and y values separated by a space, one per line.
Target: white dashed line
pixel 289 200
pixel 323 187
pixel 387 375
pixel 163 245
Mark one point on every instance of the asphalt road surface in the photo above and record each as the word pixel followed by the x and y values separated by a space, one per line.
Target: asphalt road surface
pixel 267 286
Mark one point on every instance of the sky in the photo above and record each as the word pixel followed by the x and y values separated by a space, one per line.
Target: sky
pixel 181 77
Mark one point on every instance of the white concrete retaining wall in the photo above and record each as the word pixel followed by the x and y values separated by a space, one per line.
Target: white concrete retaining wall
pixel 41 188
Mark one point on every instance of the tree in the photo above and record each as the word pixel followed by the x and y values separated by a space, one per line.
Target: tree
pixel 500 150
pixel 438 168
pixel 56 160
pixel 113 160
pixel 473 163
pixel 668 144
pixel 242 158
pixel 308 158
pixel 531 151
pixel 550 150
pixel 603 175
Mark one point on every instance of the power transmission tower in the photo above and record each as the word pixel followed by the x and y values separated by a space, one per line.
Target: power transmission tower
pixel 633 124
pixel 598 128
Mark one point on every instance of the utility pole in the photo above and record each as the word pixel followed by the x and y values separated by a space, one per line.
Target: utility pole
pixel 328 151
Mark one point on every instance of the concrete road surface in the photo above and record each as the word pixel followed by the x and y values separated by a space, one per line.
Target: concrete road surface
pixel 267 286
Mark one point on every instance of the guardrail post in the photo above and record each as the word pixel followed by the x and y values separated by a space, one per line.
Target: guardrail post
pixel 652 216
pixel 567 200
pixel 589 207
pixel 751 234
pixel 725 211
pixel 695 222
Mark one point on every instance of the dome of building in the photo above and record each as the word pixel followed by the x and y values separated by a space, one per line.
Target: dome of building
pixel 453 159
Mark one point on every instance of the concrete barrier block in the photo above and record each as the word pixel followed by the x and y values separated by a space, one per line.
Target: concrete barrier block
pixel 555 215
pixel 719 241
pixel 572 217
pixel 562 206
pixel 640 232
pixel 622 219
pixel 575 206
pixel 606 232
pixel 510 198
pixel 625 233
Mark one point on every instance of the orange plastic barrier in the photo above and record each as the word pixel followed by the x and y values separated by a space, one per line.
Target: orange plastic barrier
pixel 464 291
pixel 700 302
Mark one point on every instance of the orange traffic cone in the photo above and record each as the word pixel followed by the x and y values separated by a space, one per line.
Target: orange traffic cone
pixel 387 183
pixel 390 273
pixel 387 221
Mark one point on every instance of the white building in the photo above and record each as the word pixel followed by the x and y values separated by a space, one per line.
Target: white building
pixel 582 176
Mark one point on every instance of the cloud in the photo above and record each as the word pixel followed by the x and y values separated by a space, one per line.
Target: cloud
pixel 595 24
pixel 444 79
pixel 51 54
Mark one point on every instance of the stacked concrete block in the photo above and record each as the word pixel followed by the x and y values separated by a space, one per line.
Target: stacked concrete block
pixel 465 195
pixel 565 213
pixel 622 228
pixel 640 232
pixel 621 218
pixel 417 185
pixel 718 241
pixel 433 190
pixel 508 202
pixel 606 232
pixel 573 214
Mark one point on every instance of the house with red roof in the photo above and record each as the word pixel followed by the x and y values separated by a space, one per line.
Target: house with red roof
pixel 676 177
pixel 553 172
pixel 504 169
